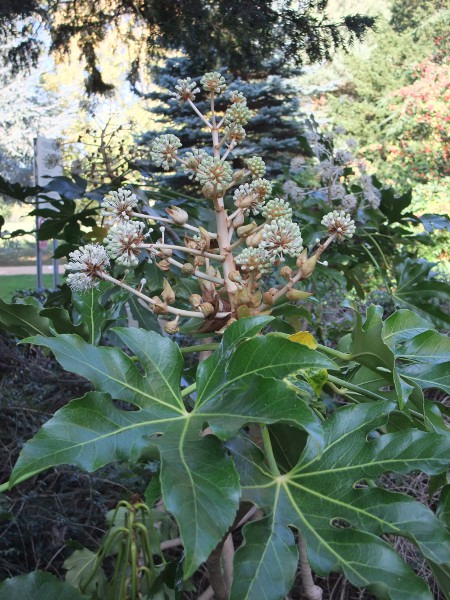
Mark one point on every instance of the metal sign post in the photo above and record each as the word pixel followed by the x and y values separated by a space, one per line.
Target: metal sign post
pixel 47 164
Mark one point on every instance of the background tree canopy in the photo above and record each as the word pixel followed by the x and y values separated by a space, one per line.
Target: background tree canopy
pixel 239 35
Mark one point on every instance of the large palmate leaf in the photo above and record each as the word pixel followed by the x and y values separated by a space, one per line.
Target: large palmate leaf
pixel 418 288
pixel 38 586
pixel 404 353
pixel 340 522
pixel 241 383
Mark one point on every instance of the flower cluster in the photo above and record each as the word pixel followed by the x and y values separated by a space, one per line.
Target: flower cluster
pixel 250 196
pixel 254 260
pixel 118 206
pixel 281 237
pixel 214 171
pixel 276 209
pixel 164 150
pixel 186 89
pixel 213 83
pixel 89 263
pixel 256 166
pixel 123 242
pixel 192 161
pixel 238 114
pixel 339 223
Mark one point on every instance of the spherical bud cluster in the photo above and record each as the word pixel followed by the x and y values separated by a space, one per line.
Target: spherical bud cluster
pixel 254 260
pixel 262 188
pixel 349 202
pixel 122 243
pixel 281 237
pixel 185 90
pixel 339 223
pixel 213 82
pixel 237 97
pixel 192 161
pixel 328 170
pixel 297 165
pixel 343 156
pixel 235 132
pixel 291 189
pixel 238 114
pixel 118 206
pixel 276 209
pixel 87 262
pixel 370 192
pixel 214 171
pixel 256 166
pixel 164 150
pixel 337 191
pixel 246 199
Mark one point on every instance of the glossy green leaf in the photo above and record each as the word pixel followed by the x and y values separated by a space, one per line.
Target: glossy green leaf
pixel 38 586
pixel 275 546
pixel 80 568
pixel 342 524
pixel 92 312
pixel 198 479
pixel 23 319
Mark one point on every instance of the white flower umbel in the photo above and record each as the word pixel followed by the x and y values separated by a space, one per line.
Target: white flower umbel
pixel 339 223
pixel 213 82
pixel 254 260
pixel 281 237
pixel 276 209
pixel 290 188
pixel 192 161
pixel 164 150
pixel 186 89
pixel 88 263
pixel 216 172
pixel 118 206
pixel 256 166
pixel 247 199
pixel 262 188
pixel 123 243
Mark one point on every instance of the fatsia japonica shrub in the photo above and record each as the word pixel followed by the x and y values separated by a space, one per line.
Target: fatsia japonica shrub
pixel 256 442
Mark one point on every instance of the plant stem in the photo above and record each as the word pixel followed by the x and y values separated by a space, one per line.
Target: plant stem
pixel 188 390
pixel 333 352
pixel 199 348
pixel 269 451
pixel 311 590
pixel 202 116
pixel 183 249
pixel 197 273
pixel 170 309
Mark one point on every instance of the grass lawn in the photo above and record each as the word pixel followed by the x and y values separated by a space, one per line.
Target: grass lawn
pixel 9 284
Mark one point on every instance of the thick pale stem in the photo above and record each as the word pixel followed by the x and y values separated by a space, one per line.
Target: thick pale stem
pixel 223 235
pixel 169 221
pixel 227 560
pixel 311 590
pixel 192 251
pixel 197 273
pixel 170 309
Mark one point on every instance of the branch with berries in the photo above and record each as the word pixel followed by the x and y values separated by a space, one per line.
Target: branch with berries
pixel 255 233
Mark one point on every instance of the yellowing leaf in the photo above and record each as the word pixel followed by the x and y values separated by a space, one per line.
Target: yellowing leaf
pixel 305 338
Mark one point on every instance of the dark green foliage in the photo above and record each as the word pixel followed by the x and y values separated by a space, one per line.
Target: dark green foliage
pixel 242 35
